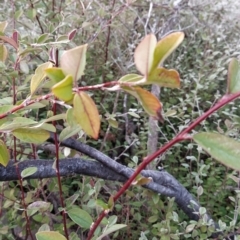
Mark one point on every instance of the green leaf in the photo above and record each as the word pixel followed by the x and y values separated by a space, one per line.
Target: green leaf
pixel 73 61
pixel 49 235
pixel 28 171
pixel 131 78
pixel 63 89
pixel 70 118
pixel 190 227
pixel 86 114
pixel 55 74
pixel 111 229
pixel 26 51
pixel 4 154
pixel 143 55
pixel 224 149
pixel 31 135
pixel 164 78
pixel 17 122
pixel 3 53
pixel 43 38
pixel 165 47
pixel 5 108
pixel 3 26
pixel 102 204
pixel 80 217
pixel 39 76
pixel 69 132
pixel 32 13
pixel 233 80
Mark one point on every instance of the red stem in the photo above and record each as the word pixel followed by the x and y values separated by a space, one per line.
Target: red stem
pixel 178 138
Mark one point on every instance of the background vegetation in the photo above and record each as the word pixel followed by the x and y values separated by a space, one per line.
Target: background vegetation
pixel 113 29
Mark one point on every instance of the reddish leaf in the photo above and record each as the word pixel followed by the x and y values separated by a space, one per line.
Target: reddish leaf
pixel 10 41
pixel 72 34
pixel 150 103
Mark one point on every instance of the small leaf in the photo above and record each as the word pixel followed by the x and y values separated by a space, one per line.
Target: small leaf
pixel 165 47
pixel 170 113
pixel 28 171
pixel 143 181
pixel 39 76
pixel 31 135
pixel 80 217
pixel 4 154
pixel 111 229
pixel 164 78
pixel 111 203
pixel 17 122
pixel 233 80
pixel 63 89
pixel 86 114
pixel 224 149
pixel 3 53
pixel 69 132
pixel 190 227
pixel 31 13
pixel 3 26
pixel 73 61
pixel 112 122
pixel 26 51
pixel 43 38
pixel 143 55
pixel 72 34
pixel 55 74
pixel 9 41
pixel 49 235
pixel 131 78
pixel 102 204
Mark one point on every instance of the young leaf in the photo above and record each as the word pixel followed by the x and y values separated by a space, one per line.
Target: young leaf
pixel 80 217
pixel 131 78
pixel 4 154
pixel 73 61
pixel 28 171
pixel 165 47
pixel 38 77
pixel 49 235
pixel 43 38
pixel 3 53
pixel 3 26
pixel 164 78
pixel 9 41
pixel 31 135
pixel 55 74
pixel 86 114
pixel 111 229
pixel 63 89
pixel 143 181
pixel 143 55
pixel 233 80
pixel 69 132
pixel 224 149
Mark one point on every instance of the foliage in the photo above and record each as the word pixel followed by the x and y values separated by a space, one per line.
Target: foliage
pixel 42 92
